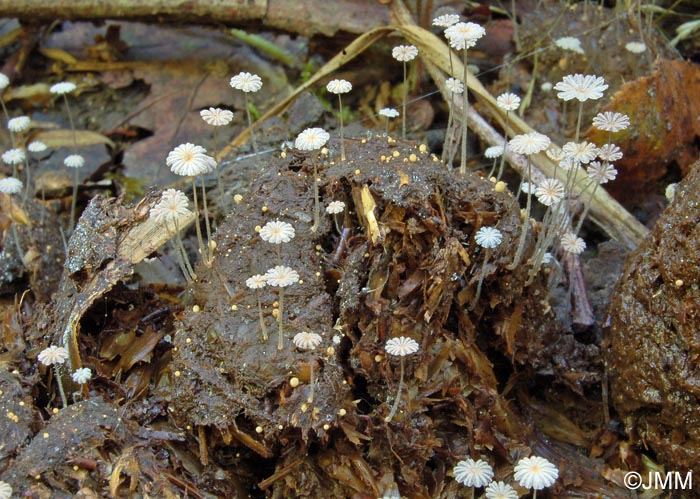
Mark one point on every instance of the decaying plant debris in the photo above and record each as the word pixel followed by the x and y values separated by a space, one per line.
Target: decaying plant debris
pixel 404 263
pixel 210 407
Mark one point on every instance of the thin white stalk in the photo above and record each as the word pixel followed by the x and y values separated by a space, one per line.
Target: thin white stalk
pixel 15 236
pixel 585 210
pixel 200 241
pixel 526 223
pixel 505 147
pixel 250 124
pixel 219 184
pixel 550 228
pixel 74 200
pixel 475 300
pixel 72 124
pixel 317 204
pixel 405 96
pixel 280 320
pixel 181 261
pixel 395 406
pixel 578 121
pixel 312 382
pixel 493 168
pixel 181 255
pixel 448 132
pixel 262 318
pixel 26 178
pixel 57 372
pixel 208 256
pixel 342 142
pixel 465 104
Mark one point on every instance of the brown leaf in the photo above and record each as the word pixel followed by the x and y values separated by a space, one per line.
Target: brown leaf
pixel 663 110
pixel 59 55
pixel 115 344
pixel 138 350
pixel 64 138
pixel 11 327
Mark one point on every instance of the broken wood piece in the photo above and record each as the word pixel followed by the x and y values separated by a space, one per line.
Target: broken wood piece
pixel 307 18
pixel 108 241
pixel 365 202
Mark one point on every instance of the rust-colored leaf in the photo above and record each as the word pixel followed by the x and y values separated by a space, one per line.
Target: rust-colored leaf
pixel 11 339
pixel 116 343
pixel 663 110
pixel 140 349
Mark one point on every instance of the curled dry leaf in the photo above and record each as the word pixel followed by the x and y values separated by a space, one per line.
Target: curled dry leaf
pixel 663 110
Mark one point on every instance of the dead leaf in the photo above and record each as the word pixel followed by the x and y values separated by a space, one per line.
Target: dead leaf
pixel 64 138
pixel 59 55
pixel 663 110
pixel 19 216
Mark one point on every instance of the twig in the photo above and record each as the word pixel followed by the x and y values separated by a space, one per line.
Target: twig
pixel 306 17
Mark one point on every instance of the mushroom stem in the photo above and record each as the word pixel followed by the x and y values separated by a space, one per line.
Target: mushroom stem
pixel 219 184
pixel 262 319
pixel 280 310
pixel 74 200
pixel 398 396
pixel 27 179
pixel 311 382
pixel 337 225
pixel 181 253
pixel 505 149
pixel 208 254
pixel 585 210
pixel 447 144
pixel 403 109
pixel 250 124
pixel 481 279
pixel 465 103
pixel 57 372
pixel 578 120
pixel 526 223
pixel 340 115
pixel 198 228
pixel 72 124
pixel 15 235
pixel 317 205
